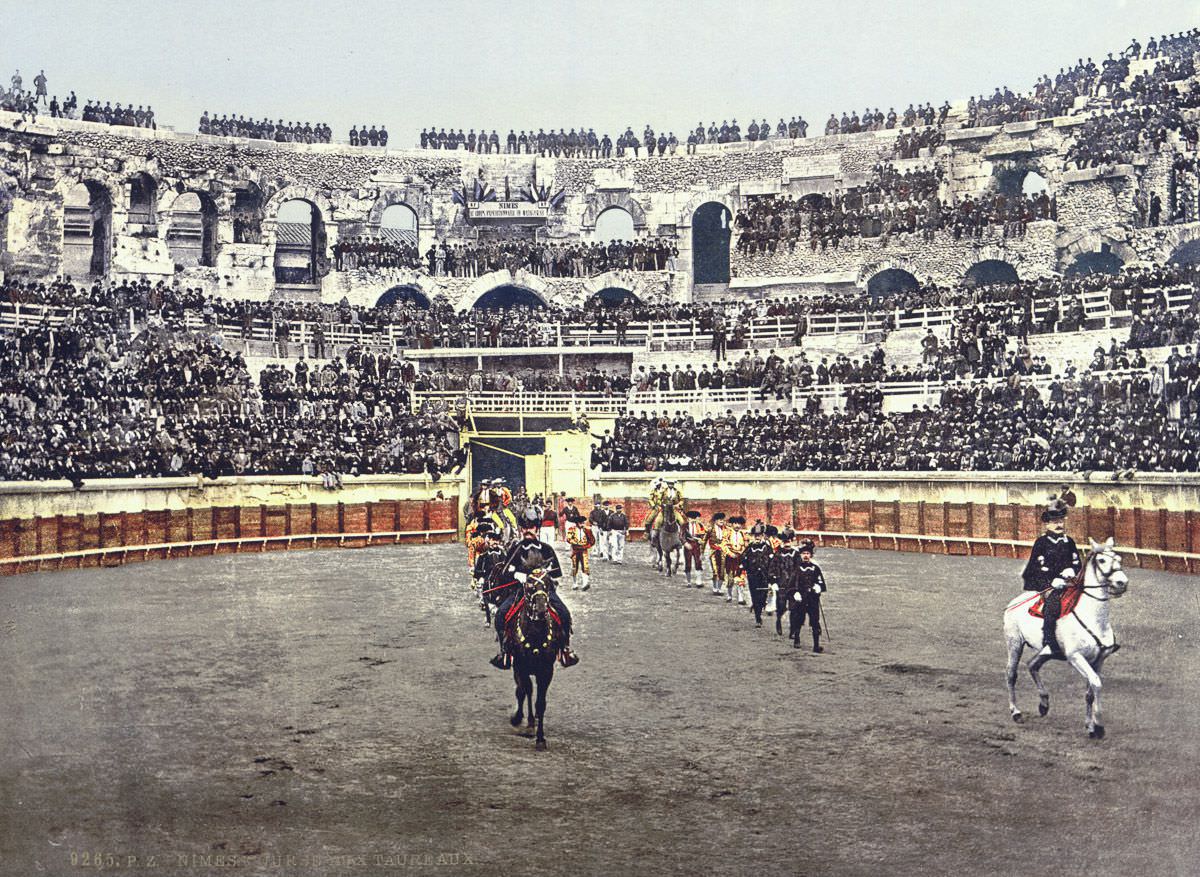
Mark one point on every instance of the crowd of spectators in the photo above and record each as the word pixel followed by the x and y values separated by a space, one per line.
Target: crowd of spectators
pixel 280 132
pixel 1082 425
pixel 874 120
pixel 374 137
pixel 890 203
pixel 373 253
pixel 550 259
pixel 88 399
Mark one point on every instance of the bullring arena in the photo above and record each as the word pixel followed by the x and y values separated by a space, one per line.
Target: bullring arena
pixel 266 387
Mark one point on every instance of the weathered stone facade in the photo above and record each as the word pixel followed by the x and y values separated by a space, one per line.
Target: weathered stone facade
pixel 87 198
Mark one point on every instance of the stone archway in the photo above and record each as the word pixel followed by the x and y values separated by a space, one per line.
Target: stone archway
pixel 403 293
pixel 891 281
pixel 601 202
pixel 192 230
pixel 299 244
pixel 987 272
pixel 712 233
pixel 631 281
pixel 521 279
pixel 87 229
pixel 508 295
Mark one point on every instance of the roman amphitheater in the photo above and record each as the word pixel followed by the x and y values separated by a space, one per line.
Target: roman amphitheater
pixel 229 361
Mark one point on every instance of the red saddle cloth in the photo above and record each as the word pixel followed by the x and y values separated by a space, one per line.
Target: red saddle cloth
pixel 1070 597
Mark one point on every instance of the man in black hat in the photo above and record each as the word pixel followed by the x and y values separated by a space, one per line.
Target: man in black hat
pixel 525 557
pixel 782 576
pixel 598 517
pixel 1054 562
pixel 756 561
pixel 487 558
pixel 618 527
pixel 810 584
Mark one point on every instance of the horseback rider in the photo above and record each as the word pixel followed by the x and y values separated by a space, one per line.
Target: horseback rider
pixel 528 555
pixel 504 500
pixel 487 558
pixel 1054 563
pixel 663 495
pixel 581 539
pixel 810 584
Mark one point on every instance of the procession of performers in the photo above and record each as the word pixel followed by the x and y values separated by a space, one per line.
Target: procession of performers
pixel 764 568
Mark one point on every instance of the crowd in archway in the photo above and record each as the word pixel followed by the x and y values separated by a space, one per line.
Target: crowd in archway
pixel 580 259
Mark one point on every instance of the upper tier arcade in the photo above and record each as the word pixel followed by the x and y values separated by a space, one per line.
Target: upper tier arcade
pixel 262 219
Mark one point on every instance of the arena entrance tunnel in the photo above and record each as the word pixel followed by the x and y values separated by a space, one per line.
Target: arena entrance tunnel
pixel 521 462
pixel 403 294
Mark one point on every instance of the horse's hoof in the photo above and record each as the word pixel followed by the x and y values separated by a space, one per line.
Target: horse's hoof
pixel 540 746
pixel 1097 733
pixel 516 720
pixel 1043 708
pixel 1018 718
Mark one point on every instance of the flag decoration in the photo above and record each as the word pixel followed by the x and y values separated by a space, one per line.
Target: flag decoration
pixel 538 194
pixel 478 192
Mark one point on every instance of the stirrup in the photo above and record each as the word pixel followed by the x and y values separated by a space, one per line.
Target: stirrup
pixel 500 662
pixel 567 658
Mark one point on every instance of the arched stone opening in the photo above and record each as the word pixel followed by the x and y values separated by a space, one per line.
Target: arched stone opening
pixel 1103 262
pixel 143 197
pixel 508 296
pixel 989 272
pixel 614 224
pixel 87 230
pixel 401 295
pixel 891 281
pixel 711 232
pixel 612 296
pixel 247 215
pixel 1019 180
pixel 399 221
pixel 192 232
pixel 299 243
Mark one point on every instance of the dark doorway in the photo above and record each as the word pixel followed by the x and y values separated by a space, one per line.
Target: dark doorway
pixel 990 271
pixel 711 232
pixel 613 296
pixel 506 297
pixel 398 294
pixel 497 457
pixel 1103 262
pixel 890 282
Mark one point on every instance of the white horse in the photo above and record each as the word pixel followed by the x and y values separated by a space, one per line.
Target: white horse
pixel 1084 633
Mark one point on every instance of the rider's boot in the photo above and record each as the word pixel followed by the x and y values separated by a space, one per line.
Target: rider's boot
pixel 1050 638
pixel 566 657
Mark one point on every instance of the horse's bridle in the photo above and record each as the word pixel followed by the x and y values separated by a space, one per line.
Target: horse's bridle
pixel 1105 583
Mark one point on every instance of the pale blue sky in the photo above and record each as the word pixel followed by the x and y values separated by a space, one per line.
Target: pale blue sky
pixel 561 63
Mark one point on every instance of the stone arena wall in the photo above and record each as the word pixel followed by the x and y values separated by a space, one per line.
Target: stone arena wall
pixel 40 164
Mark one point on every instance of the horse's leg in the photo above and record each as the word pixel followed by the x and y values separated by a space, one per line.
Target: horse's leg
pixel 1016 646
pixel 544 676
pixel 521 681
pixel 1095 727
pixel 1035 671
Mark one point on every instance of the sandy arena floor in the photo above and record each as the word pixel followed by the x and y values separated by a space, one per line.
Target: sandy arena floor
pixel 334 713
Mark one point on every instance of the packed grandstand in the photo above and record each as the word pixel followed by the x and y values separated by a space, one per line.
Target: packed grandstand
pixel 1008 282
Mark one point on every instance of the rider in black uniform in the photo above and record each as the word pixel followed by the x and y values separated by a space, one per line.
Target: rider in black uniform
pixel 1054 562
pixel 526 556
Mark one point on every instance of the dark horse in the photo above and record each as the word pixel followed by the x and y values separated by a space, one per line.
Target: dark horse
pixel 666 540
pixel 533 635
